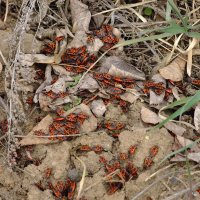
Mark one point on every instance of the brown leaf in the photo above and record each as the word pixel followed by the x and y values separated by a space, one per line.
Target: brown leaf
pixel 149 116
pixel 175 70
pixel 89 83
pixel 81 16
pixel 174 128
pixel 184 142
pixel 115 66
pixel 178 158
pixel 130 97
pixel 156 99
pixel 194 156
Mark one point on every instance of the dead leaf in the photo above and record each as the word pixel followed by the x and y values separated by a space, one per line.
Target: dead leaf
pixel 178 158
pixel 175 70
pixel 155 99
pixel 30 59
pixel 149 116
pixel 174 128
pixel 98 107
pixel 43 125
pixel 130 97
pixel 95 46
pixel 60 101
pixel 194 156
pixel 158 78
pixel 80 39
pixel 58 86
pixel 197 117
pixel 81 16
pixel 98 19
pixel 89 83
pixel 184 142
pixel 115 66
pixel 59 70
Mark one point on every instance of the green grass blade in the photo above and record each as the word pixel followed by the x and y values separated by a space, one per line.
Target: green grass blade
pixel 191 102
pixel 194 35
pixel 173 29
pixel 178 103
pixel 179 150
pixel 135 41
pixel 168 12
pixel 177 12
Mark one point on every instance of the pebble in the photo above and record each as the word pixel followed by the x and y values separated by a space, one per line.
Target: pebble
pixel 74 175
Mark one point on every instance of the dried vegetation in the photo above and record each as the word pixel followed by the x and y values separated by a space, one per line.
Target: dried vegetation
pixel 82 83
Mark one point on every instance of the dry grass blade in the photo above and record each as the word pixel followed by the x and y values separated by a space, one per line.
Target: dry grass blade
pixel 103 179
pixel 151 185
pixel 159 171
pixel 182 192
pixel 134 41
pixel 6 13
pixel 83 177
pixel 124 7
pixel 179 151
pixel 92 66
pixel 3 58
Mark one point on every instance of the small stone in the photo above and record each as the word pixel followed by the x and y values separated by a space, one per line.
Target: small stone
pixel 98 107
pixel 74 175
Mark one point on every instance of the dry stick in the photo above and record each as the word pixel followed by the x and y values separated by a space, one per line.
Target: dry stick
pixel 174 196
pixel 48 136
pixel 6 14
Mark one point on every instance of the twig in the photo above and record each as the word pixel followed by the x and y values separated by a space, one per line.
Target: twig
pixel 6 13
pixel 3 58
pixel 49 136
pixel 2 103
pixel 3 137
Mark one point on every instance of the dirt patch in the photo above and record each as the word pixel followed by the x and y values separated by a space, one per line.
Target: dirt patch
pixel 145 140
